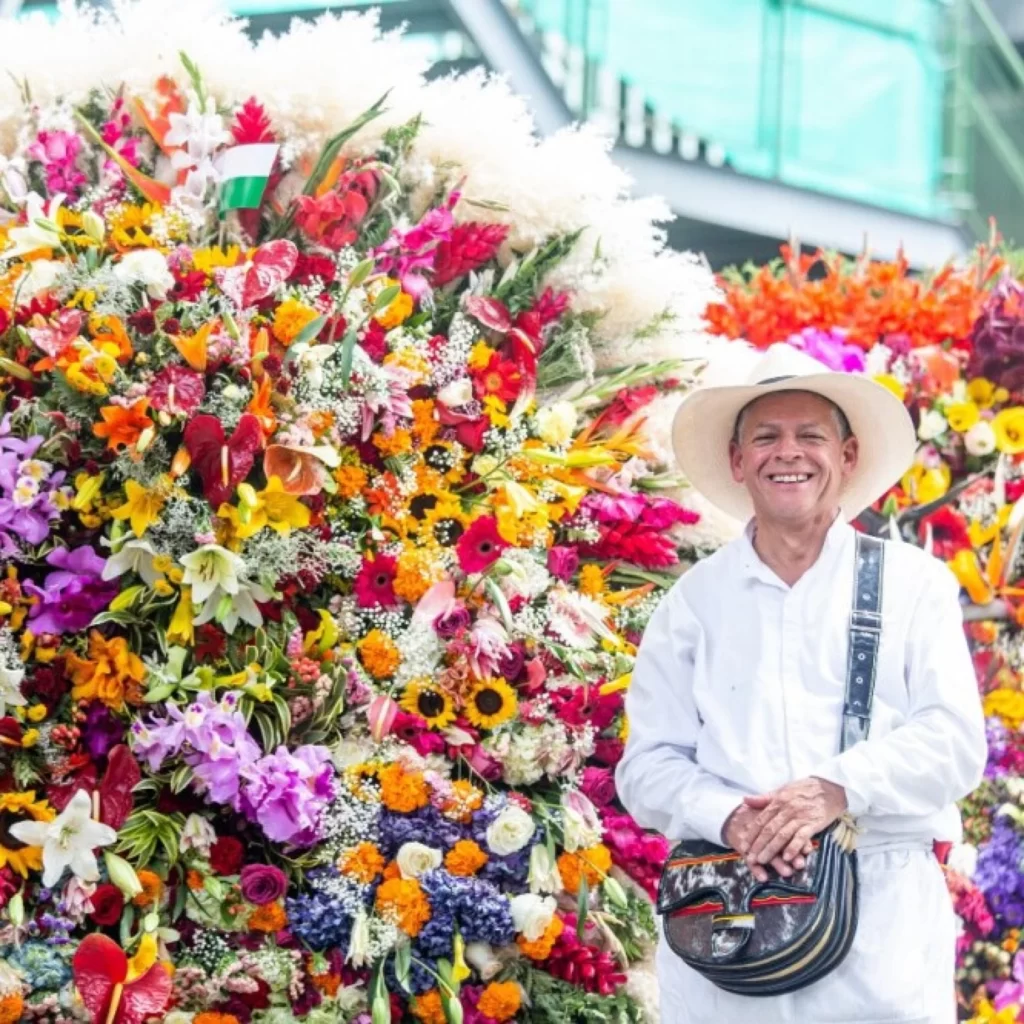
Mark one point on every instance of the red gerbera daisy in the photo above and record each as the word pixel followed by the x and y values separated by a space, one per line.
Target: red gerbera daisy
pixel 375 584
pixel 481 545
pixel 949 532
pixel 499 377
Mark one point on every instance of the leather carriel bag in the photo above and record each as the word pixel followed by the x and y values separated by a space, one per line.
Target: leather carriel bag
pixel 767 938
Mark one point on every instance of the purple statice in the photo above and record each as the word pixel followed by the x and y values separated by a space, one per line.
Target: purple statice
pixel 286 793
pixel 70 598
pixel 426 825
pixel 102 730
pixel 1000 874
pixel 831 348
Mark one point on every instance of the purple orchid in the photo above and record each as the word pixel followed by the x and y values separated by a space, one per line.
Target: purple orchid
pixel 409 254
pixel 70 598
pixel 831 348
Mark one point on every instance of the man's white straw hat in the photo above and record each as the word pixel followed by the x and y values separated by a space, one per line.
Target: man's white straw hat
pixel 706 419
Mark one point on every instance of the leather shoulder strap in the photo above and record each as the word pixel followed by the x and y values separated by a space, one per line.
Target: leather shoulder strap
pixel 865 635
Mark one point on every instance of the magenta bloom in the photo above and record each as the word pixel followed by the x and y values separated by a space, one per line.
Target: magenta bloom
pixel 411 254
pixel 58 152
pixel 831 348
pixel 563 562
pixel 286 793
pixel 374 587
pixel 71 597
pixel 263 883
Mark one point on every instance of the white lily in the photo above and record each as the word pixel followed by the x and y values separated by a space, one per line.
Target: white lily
pixel 10 687
pixel 210 567
pixel 135 556
pixel 242 607
pixel 67 841
pixel 34 235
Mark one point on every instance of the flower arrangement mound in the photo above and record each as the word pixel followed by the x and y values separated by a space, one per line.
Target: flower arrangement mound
pixel 951 345
pixel 332 509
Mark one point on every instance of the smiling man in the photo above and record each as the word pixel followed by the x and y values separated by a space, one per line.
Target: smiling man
pixel 736 707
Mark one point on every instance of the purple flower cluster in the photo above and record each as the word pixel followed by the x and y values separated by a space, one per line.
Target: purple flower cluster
pixel 999 874
pixel 426 825
pixel 481 911
pixel 70 598
pixel 284 792
pixel 28 491
pixel 831 348
pixel 997 340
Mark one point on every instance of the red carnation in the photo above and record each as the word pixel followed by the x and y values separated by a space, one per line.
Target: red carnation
pixel 470 246
pixel 481 545
pixel 375 585
pixel 107 904
pixel 226 855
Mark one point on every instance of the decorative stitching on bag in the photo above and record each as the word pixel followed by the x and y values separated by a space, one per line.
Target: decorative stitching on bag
pixel 716 906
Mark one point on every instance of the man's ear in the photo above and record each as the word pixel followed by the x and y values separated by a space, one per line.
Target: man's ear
pixel 851 454
pixel 736 462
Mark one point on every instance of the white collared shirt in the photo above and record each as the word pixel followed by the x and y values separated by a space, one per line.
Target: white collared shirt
pixel 739 683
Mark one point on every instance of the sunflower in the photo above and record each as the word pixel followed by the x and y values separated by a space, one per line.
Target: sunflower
pixel 491 703
pixel 445 523
pixel 423 698
pixel 444 458
pixel 15 807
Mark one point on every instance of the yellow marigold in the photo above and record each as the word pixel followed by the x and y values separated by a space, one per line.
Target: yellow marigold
pixel 396 312
pixel 111 674
pixel 379 654
pixel 500 1000
pixel 268 918
pixel 417 571
pixel 464 800
pixel 212 257
pixel 363 862
pixel 540 949
pixel 465 858
pixel 402 791
pixel 290 318
pixel 152 889
pixel 592 580
pixel 404 901
pixel 400 441
pixel 351 480
pixel 12 1006
pixel 592 863
pixel 1008 705
pixel 480 355
pixel 1008 426
pixel 427 1008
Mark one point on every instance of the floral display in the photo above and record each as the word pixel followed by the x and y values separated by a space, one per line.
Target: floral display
pixel 334 500
pixel 951 345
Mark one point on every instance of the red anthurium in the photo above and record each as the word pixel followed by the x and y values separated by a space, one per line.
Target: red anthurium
pixel 221 462
pixel 490 312
pixel 269 268
pixel 100 969
pixel 120 778
pixel 177 389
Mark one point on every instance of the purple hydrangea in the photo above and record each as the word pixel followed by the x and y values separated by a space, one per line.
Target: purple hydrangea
pixel 999 874
pixel 482 912
pixel 70 598
pixel 426 825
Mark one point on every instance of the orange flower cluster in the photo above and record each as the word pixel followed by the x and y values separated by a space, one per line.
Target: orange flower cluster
pixel 269 918
pixel 211 1017
pixel 500 1000
pixel 379 654
pixel 152 889
pixel 111 673
pixel 402 791
pixel 11 1008
pixel 465 858
pixel 868 299
pixel 363 862
pixel 428 1009
pixel 405 901
pixel 593 863
pixel 540 949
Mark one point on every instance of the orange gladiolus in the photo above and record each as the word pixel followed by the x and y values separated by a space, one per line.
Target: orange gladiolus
pixel 122 426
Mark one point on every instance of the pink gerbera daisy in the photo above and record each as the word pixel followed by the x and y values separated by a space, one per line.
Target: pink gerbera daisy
pixel 481 545
pixel 375 584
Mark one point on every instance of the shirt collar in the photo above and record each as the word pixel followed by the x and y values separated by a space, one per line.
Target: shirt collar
pixel 751 566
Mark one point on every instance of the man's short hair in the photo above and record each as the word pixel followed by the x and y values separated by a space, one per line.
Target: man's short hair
pixel 842 423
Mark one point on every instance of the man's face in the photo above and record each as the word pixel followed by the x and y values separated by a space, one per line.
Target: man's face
pixel 792 458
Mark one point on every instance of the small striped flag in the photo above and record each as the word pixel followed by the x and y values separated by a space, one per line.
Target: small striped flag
pixel 245 171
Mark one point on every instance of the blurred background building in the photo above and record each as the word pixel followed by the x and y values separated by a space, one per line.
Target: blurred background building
pixel 833 121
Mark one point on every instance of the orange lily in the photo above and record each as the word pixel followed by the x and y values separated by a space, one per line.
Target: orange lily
pixel 260 406
pixel 110 329
pixel 259 349
pixel 193 348
pixel 122 426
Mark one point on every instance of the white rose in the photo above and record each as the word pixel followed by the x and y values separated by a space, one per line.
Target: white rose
pixel 532 914
pixel 480 956
pixel 544 875
pixel 41 277
pixel 415 858
pixel 510 831
pixel 980 439
pixel 932 424
pixel 556 423
pixel 963 859
pixel 147 267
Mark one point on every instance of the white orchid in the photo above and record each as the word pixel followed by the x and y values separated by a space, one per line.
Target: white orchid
pixel 68 841
pixel 10 687
pixel 135 556
pixel 210 567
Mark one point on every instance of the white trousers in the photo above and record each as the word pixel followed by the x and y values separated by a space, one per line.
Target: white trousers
pixel 900 969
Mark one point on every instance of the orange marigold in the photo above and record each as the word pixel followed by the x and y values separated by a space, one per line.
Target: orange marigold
pixel 379 654
pixel 425 423
pixel 396 443
pixel 194 880
pixel 327 983
pixel 12 1006
pixel 593 863
pixel 363 862
pixel 392 870
pixel 500 1000
pixel 465 858
pixel 427 1008
pixel 464 800
pixel 152 889
pixel 592 580
pixel 416 572
pixel 212 1017
pixel 268 918
pixel 540 949
pixel 405 901
pixel 351 480
pixel 402 791
pixel 289 320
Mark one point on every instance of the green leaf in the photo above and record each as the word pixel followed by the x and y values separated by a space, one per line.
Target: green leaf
pixel 582 906
pixel 348 349
pixel 310 331
pixel 333 145
pixel 127 921
pixel 159 693
pixel 386 297
pixel 360 272
pixel 403 962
